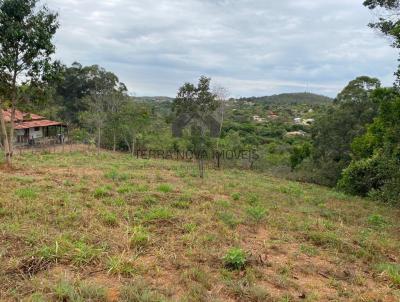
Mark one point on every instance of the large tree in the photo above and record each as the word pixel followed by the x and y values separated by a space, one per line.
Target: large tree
pixel 105 99
pixel 335 130
pixel 195 106
pixel 26 33
pixel 388 22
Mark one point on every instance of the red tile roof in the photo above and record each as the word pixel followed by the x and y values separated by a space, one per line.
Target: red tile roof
pixel 33 124
pixel 25 120
pixel 20 116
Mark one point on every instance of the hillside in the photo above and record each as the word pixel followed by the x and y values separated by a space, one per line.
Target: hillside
pixel 291 98
pixel 86 227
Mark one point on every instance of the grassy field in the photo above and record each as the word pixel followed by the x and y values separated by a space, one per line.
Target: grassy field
pixel 81 227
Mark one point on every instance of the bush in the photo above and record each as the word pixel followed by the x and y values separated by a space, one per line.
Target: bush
pixel 256 213
pixel 235 258
pixel 363 176
pixel 298 154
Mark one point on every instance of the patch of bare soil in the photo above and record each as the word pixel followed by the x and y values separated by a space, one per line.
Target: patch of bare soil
pixel 286 270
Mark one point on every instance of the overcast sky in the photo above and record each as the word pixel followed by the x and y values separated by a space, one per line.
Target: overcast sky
pixel 252 47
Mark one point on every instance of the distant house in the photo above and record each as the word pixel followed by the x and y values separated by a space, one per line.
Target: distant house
pixel 297 121
pixel 31 128
pixel 296 133
pixel 305 122
pixel 309 121
pixel 258 119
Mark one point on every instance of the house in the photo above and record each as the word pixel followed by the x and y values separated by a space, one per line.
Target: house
pixel 295 133
pixel 297 121
pixel 31 128
pixel 309 121
pixel 258 119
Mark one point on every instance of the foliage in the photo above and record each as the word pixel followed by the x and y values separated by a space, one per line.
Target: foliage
pixel 375 168
pixel 362 176
pixel 235 258
pixel 195 106
pixel 298 154
pixel 335 130
pixel 26 48
pixel 388 22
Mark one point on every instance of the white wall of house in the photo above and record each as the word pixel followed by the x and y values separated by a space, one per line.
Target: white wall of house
pixel 36 132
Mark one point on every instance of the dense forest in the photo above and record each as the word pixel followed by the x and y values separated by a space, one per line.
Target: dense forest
pixel 351 142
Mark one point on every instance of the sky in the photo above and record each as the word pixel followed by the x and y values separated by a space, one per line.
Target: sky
pixel 250 47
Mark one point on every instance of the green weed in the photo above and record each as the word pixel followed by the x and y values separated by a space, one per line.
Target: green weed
pixel 235 258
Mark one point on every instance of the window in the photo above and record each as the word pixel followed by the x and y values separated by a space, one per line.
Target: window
pixel 37 128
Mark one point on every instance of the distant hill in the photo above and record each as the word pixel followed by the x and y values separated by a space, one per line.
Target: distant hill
pixel 290 98
pixel 153 98
pixel 284 98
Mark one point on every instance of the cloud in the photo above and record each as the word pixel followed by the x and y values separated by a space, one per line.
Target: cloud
pixel 253 47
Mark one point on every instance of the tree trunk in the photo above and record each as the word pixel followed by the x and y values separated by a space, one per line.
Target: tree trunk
pixel 128 145
pixel 133 146
pixel 115 142
pixel 6 143
pixel 201 167
pixel 99 141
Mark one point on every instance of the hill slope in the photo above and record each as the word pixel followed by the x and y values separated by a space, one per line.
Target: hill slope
pixel 291 98
pixel 80 227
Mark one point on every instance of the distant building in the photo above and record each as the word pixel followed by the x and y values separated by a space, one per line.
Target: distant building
pixel 258 119
pixel 31 128
pixel 297 121
pixel 309 121
pixel 296 133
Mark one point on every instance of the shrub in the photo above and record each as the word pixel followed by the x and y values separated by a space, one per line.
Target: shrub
pixel 389 192
pixel 298 154
pixel 235 258
pixel 235 196
pixel 257 213
pixel 363 176
pixel 229 219
pixel 253 199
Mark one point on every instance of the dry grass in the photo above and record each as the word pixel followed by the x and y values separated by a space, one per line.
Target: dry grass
pixel 83 227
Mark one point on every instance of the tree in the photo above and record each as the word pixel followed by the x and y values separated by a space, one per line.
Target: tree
pixel 195 106
pixel 103 97
pixel 388 22
pixel 115 107
pixel 26 33
pixel 334 131
pixel 222 95
pixel 133 120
